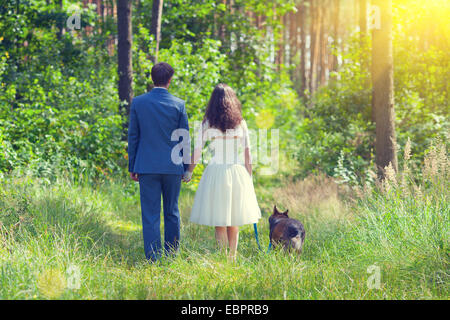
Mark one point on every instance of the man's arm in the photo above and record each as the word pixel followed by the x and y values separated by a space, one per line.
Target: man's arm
pixel 133 141
pixel 184 124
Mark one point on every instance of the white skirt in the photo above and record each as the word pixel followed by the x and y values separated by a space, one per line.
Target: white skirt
pixel 225 197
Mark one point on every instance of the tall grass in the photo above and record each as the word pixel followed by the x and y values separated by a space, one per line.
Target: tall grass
pixel 48 229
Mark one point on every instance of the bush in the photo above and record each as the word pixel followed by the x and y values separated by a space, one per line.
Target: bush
pixel 52 120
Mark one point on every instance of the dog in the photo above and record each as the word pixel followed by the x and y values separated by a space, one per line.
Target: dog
pixel 285 231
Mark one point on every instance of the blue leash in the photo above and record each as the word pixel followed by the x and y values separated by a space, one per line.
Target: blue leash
pixel 255 227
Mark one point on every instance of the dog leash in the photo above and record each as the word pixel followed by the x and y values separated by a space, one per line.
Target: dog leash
pixel 255 227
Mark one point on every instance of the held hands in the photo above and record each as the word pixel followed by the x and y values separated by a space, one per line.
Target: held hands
pixel 134 176
pixel 187 176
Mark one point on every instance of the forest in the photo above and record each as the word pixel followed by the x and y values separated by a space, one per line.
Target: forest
pixel 356 91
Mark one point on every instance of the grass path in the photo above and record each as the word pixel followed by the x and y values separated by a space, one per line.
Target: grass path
pixel 53 235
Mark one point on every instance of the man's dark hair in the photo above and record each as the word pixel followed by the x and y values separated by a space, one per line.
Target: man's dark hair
pixel 161 74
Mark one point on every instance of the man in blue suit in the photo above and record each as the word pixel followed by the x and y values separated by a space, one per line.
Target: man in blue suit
pixel 155 119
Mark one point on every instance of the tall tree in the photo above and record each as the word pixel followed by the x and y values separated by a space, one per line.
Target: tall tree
pixel 302 17
pixel 365 59
pixel 155 27
pixel 62 22
pixel 315 43
pixel 323 44
pixel 279 38
pixel 111 12
pixel 226 42
pixel 155 30
pixel 383 89
pixel 125 68
pixel 363 35
pixel 312 42
pixel 333 59
pixel 222 27
pixel 363 18
pixel 293 38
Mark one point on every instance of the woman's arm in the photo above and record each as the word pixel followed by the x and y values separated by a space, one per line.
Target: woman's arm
pixel 194 159
pixel 248 161
pixel 247 152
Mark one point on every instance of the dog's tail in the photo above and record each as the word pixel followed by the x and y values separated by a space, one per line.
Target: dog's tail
pixel 295 238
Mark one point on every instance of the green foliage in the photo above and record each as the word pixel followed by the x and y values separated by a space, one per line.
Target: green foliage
pixel 336 127
pixel 72 126
pixel 422 97
pixel 58 105
pixel 337 131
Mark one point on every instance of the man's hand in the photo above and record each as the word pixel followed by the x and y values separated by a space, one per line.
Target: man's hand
pixel 187 176
pixel 134 176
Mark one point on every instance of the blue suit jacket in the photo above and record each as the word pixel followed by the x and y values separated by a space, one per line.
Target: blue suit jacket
pixel 153 118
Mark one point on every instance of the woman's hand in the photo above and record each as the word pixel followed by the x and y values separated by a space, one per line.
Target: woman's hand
pixel 187 176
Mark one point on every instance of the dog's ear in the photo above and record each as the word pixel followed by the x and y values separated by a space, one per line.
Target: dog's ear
pixel 286 212
pixel 275 210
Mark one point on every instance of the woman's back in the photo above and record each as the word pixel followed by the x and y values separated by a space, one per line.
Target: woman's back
pixel 226 147
pixel 225 197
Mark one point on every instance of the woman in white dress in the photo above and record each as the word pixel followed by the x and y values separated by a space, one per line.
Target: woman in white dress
pixel 225 196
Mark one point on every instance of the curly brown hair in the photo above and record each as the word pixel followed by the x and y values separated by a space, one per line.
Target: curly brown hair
pixel 224 109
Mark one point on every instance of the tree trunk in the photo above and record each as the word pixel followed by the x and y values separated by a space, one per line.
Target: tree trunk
pixel 284 25
pixel 355 13
pixel 312 14
pixel 383 90
pixel 258 22
pixel 363 38
pixel 155 28
pixel 293 43
pixel 125 68
pixel 62 22
pixel 227 43
pixel 334 63
pixel 102 15
pixel 363 18
pixel 279 39
pixel 315 46
pixel 222 25
pixel 303 84
pixel 323 41
pixel 111 11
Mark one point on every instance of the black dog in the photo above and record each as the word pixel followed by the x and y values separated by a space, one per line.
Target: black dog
pixel 286 231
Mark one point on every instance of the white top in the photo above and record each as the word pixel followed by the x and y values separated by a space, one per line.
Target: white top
pixel 225 145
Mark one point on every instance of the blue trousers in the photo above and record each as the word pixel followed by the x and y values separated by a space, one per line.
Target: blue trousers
pixel 151 187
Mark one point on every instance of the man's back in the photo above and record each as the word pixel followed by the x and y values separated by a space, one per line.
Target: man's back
pixel 153 118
